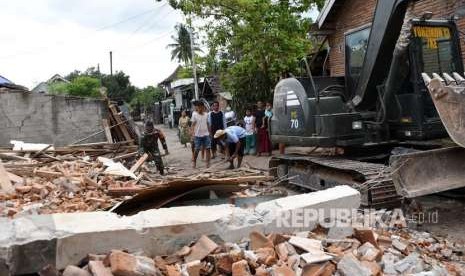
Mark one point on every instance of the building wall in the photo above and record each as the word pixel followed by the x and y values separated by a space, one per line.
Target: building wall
pixel 356 13
pixel 58 120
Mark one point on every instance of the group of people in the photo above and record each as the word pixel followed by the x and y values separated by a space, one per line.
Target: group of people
pixel 208 131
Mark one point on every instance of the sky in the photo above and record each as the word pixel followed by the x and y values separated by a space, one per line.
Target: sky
pixel 40 38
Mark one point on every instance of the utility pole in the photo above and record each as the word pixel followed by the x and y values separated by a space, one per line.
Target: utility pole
pixel 194 67
pixel 111 63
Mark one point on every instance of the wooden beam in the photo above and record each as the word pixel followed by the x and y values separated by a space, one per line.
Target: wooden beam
pixel 139 163
pixel 5 182
pixel 124 156
pixel 106 127
pixel 120 121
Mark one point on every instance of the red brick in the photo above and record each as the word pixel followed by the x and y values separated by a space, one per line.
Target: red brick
pixel 241 268
pixel 201 249
pixel 258 240
pixel 98 269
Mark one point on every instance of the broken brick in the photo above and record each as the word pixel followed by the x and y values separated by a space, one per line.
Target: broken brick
pixel 241 268
pixel 201 249
pixel 282 271
pixel 282 251
pixel 261 271
pixel 98 269
pixel 124 264
pixel 23 189
pixel 194 268
pixel 172 270
pixel 365 235
pixel 384 241
pixel 276 238
pixel 258 240
pixel 224 261
pixel 321 269
pixel 265 254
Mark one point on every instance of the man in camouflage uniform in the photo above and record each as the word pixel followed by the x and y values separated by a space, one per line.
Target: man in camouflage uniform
pixel 149 145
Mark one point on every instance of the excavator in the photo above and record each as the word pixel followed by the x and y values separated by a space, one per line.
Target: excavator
pixel 397 121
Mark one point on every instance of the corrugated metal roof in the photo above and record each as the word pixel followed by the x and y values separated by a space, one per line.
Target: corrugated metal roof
pixel 4 80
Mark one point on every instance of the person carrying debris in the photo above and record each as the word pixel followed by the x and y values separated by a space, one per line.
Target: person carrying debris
pixel 149 145
pixel 234 139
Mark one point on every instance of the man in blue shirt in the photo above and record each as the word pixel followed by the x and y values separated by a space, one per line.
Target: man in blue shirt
pixel 234 137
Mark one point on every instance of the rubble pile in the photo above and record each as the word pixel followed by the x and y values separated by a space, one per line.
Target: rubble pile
pixel 92 177
pixel 62 180
pixel 365 252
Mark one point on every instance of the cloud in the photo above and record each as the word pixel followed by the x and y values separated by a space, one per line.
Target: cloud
pixel 44 37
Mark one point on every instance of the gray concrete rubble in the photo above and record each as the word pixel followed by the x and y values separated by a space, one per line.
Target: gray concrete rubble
pixel 29 243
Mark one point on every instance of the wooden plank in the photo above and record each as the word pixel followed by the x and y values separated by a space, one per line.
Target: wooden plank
pixel 124 156
pixel 139 162
pixel 12 156
pixel 5 183
pixel 120 121
pixel 106 127
pixel 123 191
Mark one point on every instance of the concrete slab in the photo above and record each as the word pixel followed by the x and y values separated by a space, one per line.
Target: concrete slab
pixel 30 242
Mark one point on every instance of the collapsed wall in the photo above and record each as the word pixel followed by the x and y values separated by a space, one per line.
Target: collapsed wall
pixel 29 243
pixel 50 119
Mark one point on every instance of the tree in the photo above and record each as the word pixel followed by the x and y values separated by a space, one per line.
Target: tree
pixel 147 96
pixel 119 86
pixel 81 86
pixel 254 42
pixel 181 48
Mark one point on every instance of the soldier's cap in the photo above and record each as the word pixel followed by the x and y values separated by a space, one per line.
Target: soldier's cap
pixel 219 133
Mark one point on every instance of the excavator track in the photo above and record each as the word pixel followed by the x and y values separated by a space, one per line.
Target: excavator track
pixel 319 172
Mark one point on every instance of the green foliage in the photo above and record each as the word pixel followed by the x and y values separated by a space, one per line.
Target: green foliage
pixel 118 86
pixel 252 43
pixel 81 86
pixel 181 48
pixel 147 96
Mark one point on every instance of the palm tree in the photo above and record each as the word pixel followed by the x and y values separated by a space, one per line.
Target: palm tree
pixel 182 46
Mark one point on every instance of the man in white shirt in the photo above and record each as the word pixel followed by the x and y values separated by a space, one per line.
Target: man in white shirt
pixel 201 133
pixel 234 138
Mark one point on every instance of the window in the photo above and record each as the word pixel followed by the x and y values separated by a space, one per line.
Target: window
pixel 356 44
pixel 436 48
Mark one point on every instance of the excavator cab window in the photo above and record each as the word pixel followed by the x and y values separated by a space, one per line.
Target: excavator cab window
pixel 438 50
pixel 356 44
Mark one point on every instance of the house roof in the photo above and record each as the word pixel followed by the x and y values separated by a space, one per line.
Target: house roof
pixel 4 81
pixel 327 10
pixel 43 87
pixel 172 76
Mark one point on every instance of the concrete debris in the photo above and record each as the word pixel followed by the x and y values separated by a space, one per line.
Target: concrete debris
pixel 226 259
pixel 309 245
pixel 349 265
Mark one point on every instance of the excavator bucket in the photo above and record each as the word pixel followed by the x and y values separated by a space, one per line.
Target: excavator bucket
pixel 428 172
pixel 448 95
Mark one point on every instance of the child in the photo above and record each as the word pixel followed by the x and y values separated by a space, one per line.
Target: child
pixel 250 129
